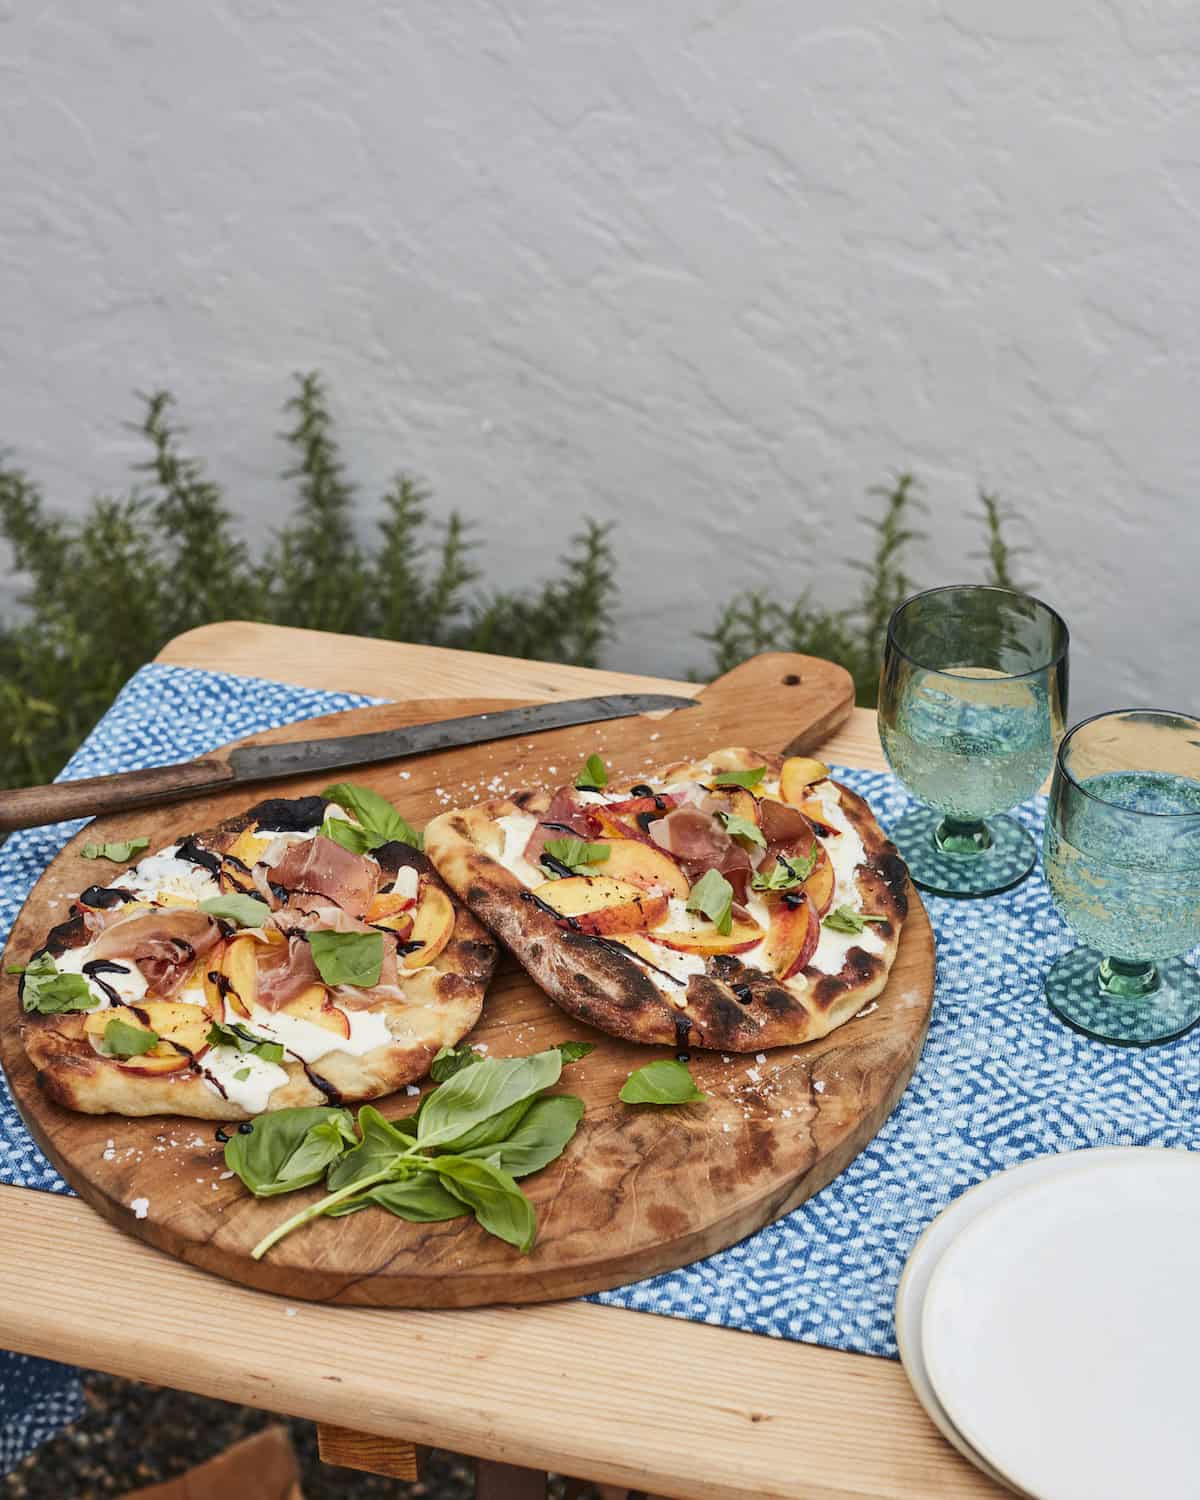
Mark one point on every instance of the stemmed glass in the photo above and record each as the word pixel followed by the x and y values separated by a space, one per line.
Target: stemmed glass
pixel 972 699
pixel 1122 854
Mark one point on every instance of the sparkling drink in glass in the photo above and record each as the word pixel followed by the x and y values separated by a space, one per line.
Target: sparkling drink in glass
pixel 972 703
pixel 1122 854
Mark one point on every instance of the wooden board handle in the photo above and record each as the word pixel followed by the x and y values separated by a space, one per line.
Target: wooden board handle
pixel 29 806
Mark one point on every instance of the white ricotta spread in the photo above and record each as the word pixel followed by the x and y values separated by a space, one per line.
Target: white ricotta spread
pixel 406 883
pixel 517 828
pixel 310 1042
pixel 254 1090
pixel 165 873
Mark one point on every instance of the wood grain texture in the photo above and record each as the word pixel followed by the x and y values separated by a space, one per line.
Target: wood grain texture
pixel 367 1452
pixel 585 1389
pixel 639 1191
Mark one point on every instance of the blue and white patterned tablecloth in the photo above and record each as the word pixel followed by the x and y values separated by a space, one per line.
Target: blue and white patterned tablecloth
pixel 1000 1080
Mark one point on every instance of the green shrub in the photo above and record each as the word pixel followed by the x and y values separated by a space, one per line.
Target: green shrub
pixel 108 591
pixel 753 621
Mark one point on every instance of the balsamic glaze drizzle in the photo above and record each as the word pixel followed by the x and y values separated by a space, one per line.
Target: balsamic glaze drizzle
pixel 610 943
pixel 641 790
pixel 556 865
pixel 99 966
pixel 743 993
pixel 561 828
pixel 190 850
pixel 683 1028
pixel 221 1134
pixel 104 896
pixel 246 1127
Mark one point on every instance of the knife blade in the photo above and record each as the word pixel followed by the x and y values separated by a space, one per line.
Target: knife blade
pixel 28 807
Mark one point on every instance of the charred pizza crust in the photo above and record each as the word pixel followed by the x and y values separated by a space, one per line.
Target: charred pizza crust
pixel 732 1006
pixel 442 1002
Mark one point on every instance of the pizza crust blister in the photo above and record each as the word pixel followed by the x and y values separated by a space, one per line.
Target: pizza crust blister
pixel 627 982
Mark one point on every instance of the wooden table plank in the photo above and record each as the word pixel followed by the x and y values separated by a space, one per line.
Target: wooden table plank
pixel 680 1409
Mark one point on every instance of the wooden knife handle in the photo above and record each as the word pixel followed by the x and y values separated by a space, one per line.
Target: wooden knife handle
pixel 29 806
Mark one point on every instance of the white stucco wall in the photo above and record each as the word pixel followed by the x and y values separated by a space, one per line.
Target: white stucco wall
pixel 707 269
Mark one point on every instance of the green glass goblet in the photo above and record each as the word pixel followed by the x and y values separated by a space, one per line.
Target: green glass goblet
pixel 972 699
pixel 1122 855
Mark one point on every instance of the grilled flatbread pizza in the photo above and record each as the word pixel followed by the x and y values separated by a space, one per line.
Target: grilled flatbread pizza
pixel 300 954
pixel 737 902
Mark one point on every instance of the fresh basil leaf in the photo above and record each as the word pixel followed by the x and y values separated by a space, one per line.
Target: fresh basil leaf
pixel 245 1041
pixel 49 993
pixel 450 1060
pixel 119 853
pixel 243 911
pixel 498 1203
pixel 382 1146
pixel 348 957
pixel 123 1040
pixel 712 897
pixel 277 1156
pixel 380 821
pixel 478 1093
pixel 846 919
pixel 348 835
pixel 482 1139
pixel 593 776
pixel 738 827
pixel 573 1051
pixel 662 1082
pixel 421 1199
pixel 241 1075
pixel 748 779
pixel 786 873
pixel 14 968
pixel 577 854
pixel 540 1138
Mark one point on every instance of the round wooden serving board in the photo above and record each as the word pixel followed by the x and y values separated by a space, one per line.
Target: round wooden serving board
pixel 639 1190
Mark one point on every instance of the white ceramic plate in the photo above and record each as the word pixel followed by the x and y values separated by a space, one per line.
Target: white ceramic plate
pixel 928 1251
pixel 1061 1330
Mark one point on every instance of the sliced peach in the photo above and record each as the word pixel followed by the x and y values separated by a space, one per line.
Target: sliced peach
pixel 819 885
pixel 616 828
pixel 315 1006
pixel 401 924
pixel 743 803
pixel 183 1030
pixel 798 774
pixel 249 846
pixel 644 865
pixel 740 939
pixel 239 968
pixel 793 935
pixel 601 905
pixel 432 926
pixel 388 904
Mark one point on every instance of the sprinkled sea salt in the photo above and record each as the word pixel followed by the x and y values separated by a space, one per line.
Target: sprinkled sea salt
pixel 411 1088
pixel 141 1207
pixel 819 1085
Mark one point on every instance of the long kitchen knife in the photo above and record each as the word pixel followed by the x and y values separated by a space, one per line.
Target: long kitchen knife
pixel 29 806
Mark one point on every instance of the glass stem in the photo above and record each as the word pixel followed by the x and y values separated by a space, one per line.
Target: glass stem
pixel 1127 979
pixel 962 836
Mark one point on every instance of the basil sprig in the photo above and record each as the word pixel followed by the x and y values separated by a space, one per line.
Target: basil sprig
pixel 786 873
pixel 460 1152
pixel 846 919
pixel 593 777
pixel 742 828
pixel 245 1041
pixel 747 779
pixel 348 835
pixel 380 822
pixel 49 993
pixel 348 957
pixel 712 897
pixel 450 1060
pixel 662 1082
pixel 119 853
pixel 241 910
pixel 577 854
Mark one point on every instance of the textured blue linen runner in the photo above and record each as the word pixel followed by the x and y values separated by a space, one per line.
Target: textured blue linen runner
pixel 1000 1079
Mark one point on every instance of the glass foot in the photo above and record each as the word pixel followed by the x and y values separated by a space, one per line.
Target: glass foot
pixel 1158 1014
pixel 1003 863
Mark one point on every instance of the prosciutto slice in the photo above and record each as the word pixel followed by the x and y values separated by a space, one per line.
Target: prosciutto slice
pixel 284 970
pixel 699 843
pixel 321 867
pixel 568 812
pixel 164 944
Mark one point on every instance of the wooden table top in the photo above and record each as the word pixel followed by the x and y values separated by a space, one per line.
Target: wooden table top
pixel 680 1409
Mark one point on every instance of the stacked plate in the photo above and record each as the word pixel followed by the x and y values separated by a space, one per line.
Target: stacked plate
pixel 1049 1321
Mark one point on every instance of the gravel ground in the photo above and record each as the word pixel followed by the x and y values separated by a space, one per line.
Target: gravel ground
pixel 134 1435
